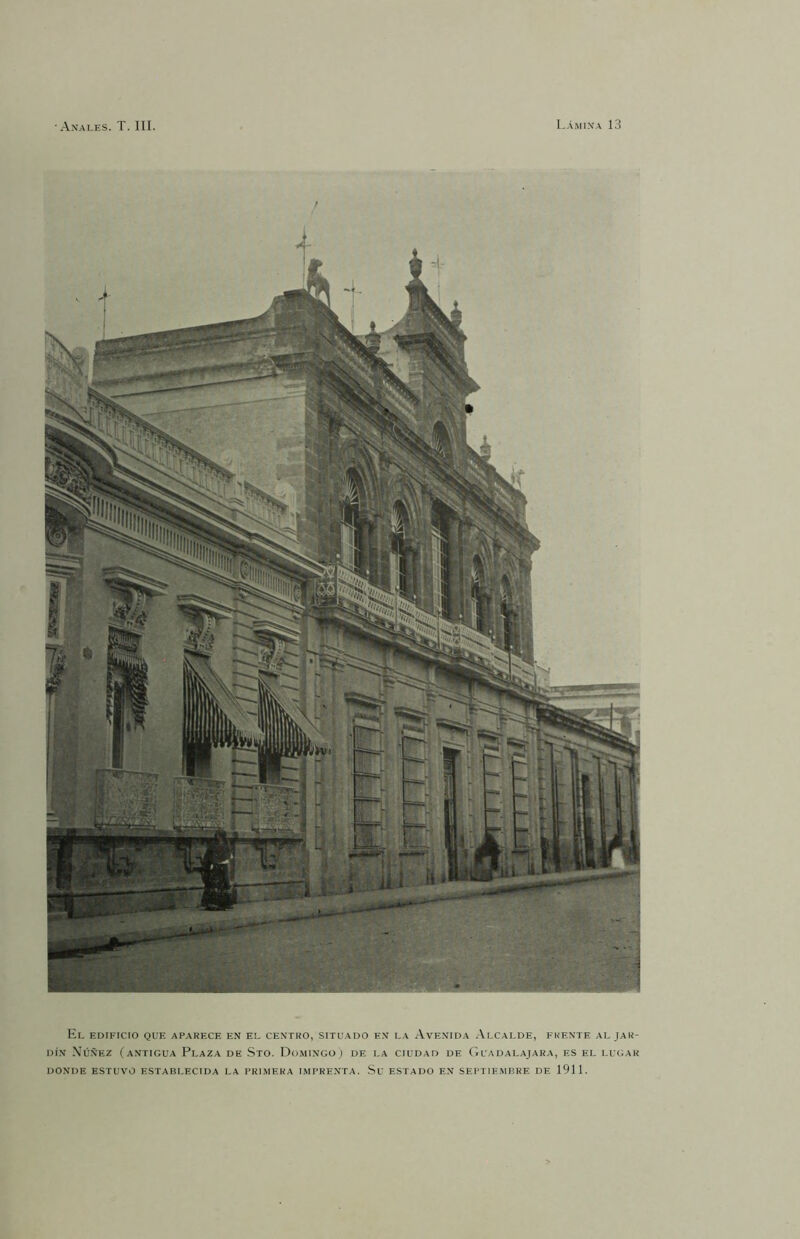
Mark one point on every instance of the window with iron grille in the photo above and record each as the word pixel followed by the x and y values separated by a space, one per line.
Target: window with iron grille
pixel 492 791
pixel 413 789
pixel 366 784
pixel 441 442
pixel 506 615
pixel 519 779
pixel 477 588
pixel 351 534
pixel 398 556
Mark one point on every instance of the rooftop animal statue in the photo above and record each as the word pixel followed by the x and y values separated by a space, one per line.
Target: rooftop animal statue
pixel 317 281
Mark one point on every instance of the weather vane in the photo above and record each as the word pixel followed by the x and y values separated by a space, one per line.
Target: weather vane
pixel 354 292
pixel 305 244
pixel 438 264
pixel 104 299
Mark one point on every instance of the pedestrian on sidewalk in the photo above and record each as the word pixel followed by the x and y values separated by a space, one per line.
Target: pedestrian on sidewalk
pixel 616 855
pixel 486 856
pixel 216 872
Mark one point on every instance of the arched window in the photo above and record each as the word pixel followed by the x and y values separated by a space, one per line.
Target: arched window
pixel 441 561
pixel 398 555
pixel 506 615
pixel 477 595
pixel 351 534
pixel 441 442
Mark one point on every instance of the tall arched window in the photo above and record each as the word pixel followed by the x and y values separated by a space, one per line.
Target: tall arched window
pixel 441 561
pixel 441 442
pixel 398 555
pixel 351 534
pixel 506 615
pixel 477 593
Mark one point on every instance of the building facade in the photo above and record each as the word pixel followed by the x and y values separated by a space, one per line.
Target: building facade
pixel 615 706
pixel 413 632
pixel 177 594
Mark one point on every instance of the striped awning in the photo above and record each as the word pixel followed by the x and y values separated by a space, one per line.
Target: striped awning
pixel 286 729
pixel 211 713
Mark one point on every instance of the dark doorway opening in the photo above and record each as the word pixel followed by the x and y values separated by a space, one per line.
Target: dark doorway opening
pixel 449 762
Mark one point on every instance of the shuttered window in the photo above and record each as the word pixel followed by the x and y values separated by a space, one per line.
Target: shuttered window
pixel 366 785
pixel 492 791
pixel 414 789
pixel 519 781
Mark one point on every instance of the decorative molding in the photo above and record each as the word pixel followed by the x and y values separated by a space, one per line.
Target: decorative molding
pixel 193 602
pixel 56 665
pixel 67 474
pixel 55 527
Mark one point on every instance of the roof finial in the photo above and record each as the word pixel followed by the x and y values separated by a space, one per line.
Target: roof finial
pixel 373 339
pixel 455 315
pixel 415 266
pixel 486 449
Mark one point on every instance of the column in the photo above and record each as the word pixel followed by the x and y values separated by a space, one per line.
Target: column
pixel 454 550
pixel 392 765
pixel 334 824
pixel 364 533
pixel 437 863
pixel 534 789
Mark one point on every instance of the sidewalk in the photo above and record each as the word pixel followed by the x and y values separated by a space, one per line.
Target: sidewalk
pixel 98 932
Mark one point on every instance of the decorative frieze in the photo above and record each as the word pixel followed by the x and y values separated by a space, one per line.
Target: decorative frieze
pixel 125 798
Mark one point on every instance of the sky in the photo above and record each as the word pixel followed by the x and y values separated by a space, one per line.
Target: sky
pixel 545 268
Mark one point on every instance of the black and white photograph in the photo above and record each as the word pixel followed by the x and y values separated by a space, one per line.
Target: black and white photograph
pixel 420 410
pixel 342 487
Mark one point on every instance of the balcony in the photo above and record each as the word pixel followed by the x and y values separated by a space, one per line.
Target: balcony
pixel 125 799
pixel 199 804
pixel 275 810
pixel 340 587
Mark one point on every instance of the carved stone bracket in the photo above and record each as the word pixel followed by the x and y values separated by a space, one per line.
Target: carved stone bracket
pixel 120 855
pixel 130 596
pixel 269 851
pixel 55 527
pixel 202 615
pixel 199 632
pixel 271 653
pixel 272 645
pixel 192 851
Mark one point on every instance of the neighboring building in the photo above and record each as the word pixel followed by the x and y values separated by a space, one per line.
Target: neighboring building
pixel 175 630
pixel 615 706
pixel 410 599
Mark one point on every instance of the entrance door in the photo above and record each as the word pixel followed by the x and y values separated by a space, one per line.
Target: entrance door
pixel 450 826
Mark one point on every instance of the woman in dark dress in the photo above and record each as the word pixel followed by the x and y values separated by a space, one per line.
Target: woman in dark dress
pixel 216 871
